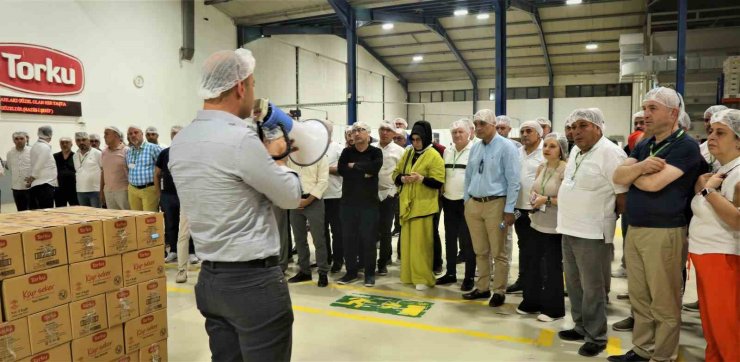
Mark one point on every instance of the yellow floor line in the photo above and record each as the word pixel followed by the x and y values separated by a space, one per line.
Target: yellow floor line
pixel 614 346
pixel 545 338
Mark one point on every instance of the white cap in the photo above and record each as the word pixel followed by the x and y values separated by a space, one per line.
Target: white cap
pixel 684 120
pixel 81 135
pixel 713 109
pixel 399 119
pixel 485 115
pixel 504 119
pixel 562 142
pixel 665 96
pixel 152 129
pixel 592 115
pixel 533 125
pixel 136 127
pixel 728 117
pixel 387 125
pixel 463 123
pixel 223 70
pixel 115 129
pixel 640 114
pixel 544 122
pixel 362 125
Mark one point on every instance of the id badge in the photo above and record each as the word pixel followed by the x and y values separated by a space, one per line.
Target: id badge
pixel 568 182
pixel 131 166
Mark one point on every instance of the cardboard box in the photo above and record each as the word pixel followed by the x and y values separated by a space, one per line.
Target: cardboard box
pixel 105 345
pixel 123 305
pixel 145 330
pixel 95 277
pixel 119 234
pixel 142 265
pixel 131 357
pixel 149 230
pixel 11 252
pixel 156 352
pixel 84 239
pixel 88 316
pixel 152 295
pixel 14 340
pixel 60 353
pixel 49 328
pixel 27 294
pixel 43 247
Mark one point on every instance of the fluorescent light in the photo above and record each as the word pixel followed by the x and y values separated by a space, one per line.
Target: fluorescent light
pixel 573 2
pixel 483 16
pixel 388 26
pixel 417 58
pixel 461 12
pixel 671 58
pixel 592 46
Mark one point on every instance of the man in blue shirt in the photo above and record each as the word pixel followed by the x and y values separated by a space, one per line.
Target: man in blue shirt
pixel 141 160
pixel 491 190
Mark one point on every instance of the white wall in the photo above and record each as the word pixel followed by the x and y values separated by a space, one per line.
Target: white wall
pixel 116 41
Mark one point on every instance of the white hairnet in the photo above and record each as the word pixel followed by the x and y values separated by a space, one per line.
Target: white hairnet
pixel 176 128
pixel 81 135
pixel 665 96
pixel 640 114
pixel 94 136
pixel 562 142
pixel 45 131
pixel 115 129
pixel 503 119
pixel 152 129
pixel 362 125
pixel 533 125
pixel 136 127
pixel 399 119
pixel 713 109
pixel 593 115
pixel 388 125
pixel 728 117
pixel 65 139
pixel 223 69
pixel 463 123
pixel 543 122
pixel 684 120
pixel 485 115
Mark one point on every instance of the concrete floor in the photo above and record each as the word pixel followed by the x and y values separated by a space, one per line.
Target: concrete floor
pixel 451 330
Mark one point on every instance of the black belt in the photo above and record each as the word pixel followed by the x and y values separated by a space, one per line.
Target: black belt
pixel 268 262
pixel 486 198
pixel 144 186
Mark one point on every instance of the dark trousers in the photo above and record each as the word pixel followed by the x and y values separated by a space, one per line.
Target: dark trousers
pixel 457 229
pixel 249 316
pixel 437 261
pixel 397 216
pixel 385 223
pixel 286 244
pixel 22 199
pixel 542 284
pixel 359 240
pixel 170 205
pixel 65 195
pixel 332 220
pixel 523 232
pixel 42 197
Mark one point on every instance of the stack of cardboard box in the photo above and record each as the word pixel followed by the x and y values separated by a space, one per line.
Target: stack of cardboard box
pixel 83 284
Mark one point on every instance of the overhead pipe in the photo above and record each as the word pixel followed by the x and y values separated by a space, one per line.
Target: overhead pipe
pixel 188 29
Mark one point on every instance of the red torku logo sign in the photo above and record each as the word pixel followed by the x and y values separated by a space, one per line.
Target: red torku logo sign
pixel 86 229
pixel 7 330
pixel 40 70
pixel 152 285
pixel 87 305
pixel 41 358
pixel 3 243
pixel 97 264
pixel 49 316
pixel 46 235
pixel 151 220
pixel 123 294
pixel 38 278
pixel 120 224
pixel 100 336
pixel 147 319
pixel 144 254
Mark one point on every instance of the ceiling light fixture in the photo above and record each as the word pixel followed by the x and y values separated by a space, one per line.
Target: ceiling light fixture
pixel 592 46
pixel 388 26
pixel 573 2
pixel 417 58
pixel 483 16
pixel 671 58
pixel 461 12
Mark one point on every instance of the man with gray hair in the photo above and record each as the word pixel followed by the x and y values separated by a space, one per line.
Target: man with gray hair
pixel 545 124
pixel 95 141
pixel 152 136
pixel 18 162
pixel 114 178
pixel 87 162
pixel 66 193
pixel 141 159
pixel 503 127
pixel 43 177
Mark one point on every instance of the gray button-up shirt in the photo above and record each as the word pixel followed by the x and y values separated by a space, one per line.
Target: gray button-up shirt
pixel 227 185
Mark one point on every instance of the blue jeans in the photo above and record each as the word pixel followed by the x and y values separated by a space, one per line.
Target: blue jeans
pixel 249 315
pixel 91 199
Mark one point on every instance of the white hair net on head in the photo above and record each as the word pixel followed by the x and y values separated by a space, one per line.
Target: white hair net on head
pixel 728 117
pixel 504 119
pixel 361 125
pixel 81 135
pixel 223 69
pixel 152 129
pixel 399 119
pixel 533 125
pixel 65 139
pixel 665 96
pixel 485 115
pixel 562 142
pixel 94 137
pixel 684 120
pixel 387 125
pixel 45 131
pixel 114 129
pixel 593 115
pixel 713 109
pixel 640 114
pixel 543 122
pixel 463 123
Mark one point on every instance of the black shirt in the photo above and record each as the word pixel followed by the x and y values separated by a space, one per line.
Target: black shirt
pixel 666 208
pixel 360 183
pixel 168 185
pixel 65 170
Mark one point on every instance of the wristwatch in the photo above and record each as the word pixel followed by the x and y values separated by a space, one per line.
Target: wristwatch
pixel 548 203
pixel 707 191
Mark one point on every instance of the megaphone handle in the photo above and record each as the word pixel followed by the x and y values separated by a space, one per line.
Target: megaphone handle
pixel 288 143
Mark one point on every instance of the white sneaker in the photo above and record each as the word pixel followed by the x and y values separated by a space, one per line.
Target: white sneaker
pixel 182 276
pixel 519 311
pixel 193 259
pixel 171 257
pixel 422 287
pixel 619 273
pixel 547 318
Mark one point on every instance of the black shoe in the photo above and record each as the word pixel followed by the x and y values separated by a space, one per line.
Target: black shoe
pixel 293 251
pixel 625 325
pixel 460 259
pixel 622 296
pixel 314 265
pixel 570 335
pixel 630 356
pixel 323 281
pixel 382 270
pixel 477 294
pixel 497 300
pixel 467 285
pixel 336 268
pixel 347 278
pixel 446 279
pixel 300 277
pixel 515 288
pixel 438 269
pixel 369 281
pixel 590 349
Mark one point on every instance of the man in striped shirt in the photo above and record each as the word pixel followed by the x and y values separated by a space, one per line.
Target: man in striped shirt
pixel 141 159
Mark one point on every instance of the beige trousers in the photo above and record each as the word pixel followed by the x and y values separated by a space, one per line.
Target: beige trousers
pixel 489 243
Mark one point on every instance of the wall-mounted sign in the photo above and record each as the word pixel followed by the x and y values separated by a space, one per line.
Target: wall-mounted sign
pixel 40 70
pixel 46 107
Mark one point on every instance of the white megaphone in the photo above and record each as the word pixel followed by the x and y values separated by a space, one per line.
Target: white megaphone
pixel 310 136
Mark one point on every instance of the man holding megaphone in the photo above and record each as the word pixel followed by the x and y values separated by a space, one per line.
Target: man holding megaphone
pixel 228 181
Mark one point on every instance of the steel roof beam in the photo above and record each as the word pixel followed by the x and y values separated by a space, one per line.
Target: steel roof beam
pixel 401 79
pixel 531 46
pixel 439 29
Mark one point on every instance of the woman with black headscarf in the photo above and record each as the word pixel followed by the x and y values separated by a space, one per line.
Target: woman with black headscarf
pixel 420 174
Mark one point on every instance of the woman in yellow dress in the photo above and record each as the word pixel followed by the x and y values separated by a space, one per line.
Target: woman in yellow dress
pixel 420 174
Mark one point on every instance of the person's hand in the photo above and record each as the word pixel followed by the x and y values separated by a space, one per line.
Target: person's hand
pixel 539 201
pixel 715 181
pixel 277 147
pixel 351 165
pixel 417 177
pixel 509 218
pixel 304 203
pixel 652 165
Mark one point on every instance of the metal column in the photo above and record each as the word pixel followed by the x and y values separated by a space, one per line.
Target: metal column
pixel 347 15
pixel 500 30
pixel 681 48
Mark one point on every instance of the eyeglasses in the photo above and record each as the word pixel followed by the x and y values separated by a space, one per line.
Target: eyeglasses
pixel 480 167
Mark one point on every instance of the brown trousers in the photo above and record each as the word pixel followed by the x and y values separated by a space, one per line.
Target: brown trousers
pixel 489 242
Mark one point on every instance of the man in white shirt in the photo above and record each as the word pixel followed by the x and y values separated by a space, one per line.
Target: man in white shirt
pixel 531 155
pixel 43 178
pixel 456 161
pixel 332 201
pixel 503 128
pixel 588 204
pixel 88 166
pixel 95 141
pixel 392 153
pixel 18 161
pixel 545 124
